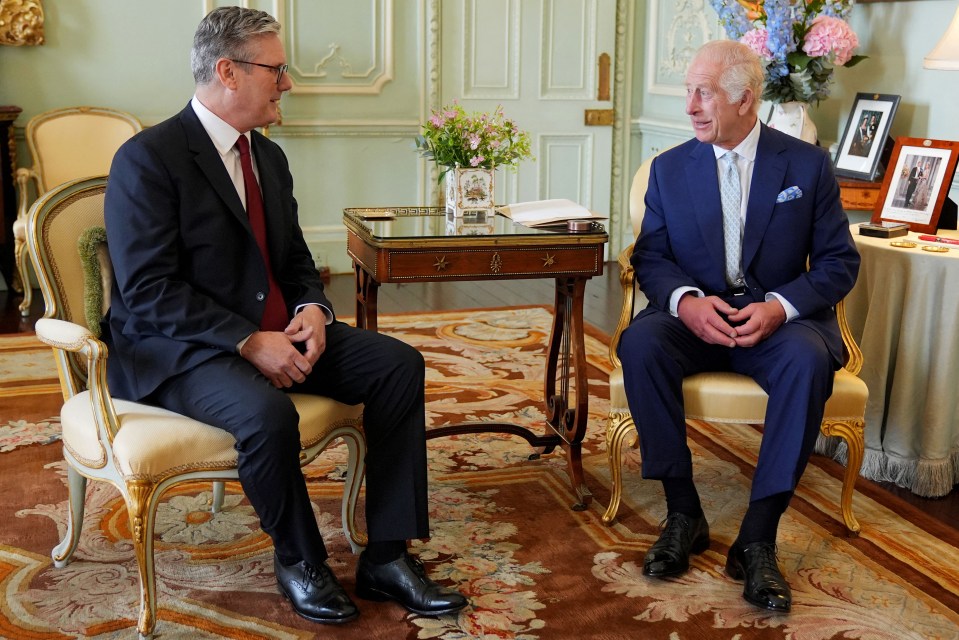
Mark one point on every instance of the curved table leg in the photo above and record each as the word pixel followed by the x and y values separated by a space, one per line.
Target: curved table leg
pixel 566 388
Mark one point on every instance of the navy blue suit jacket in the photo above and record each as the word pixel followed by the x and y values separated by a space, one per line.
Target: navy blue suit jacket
pixel 190 282
pixel 681 240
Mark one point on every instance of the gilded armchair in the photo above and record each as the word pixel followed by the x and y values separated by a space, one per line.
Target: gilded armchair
pixel 727 397
pixel 141 450
pixel 65 144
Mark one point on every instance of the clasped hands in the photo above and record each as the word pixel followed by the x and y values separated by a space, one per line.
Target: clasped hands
pixel 276 355
pixel 711 319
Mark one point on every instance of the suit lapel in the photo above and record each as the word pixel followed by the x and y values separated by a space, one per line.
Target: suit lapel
pixel 702 181
pixel 208 159
pixel 769 171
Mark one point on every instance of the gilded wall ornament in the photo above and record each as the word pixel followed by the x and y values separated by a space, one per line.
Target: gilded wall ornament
pixel 21 22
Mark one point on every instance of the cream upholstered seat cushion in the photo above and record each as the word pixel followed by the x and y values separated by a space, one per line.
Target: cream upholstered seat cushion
pixel 722 396
pixel 150 442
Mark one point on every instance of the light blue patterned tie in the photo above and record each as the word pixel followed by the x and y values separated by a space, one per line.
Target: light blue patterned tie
pixel 731 196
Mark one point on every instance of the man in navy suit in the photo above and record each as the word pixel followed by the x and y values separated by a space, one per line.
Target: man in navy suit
pixel 758 300
pixel 218 311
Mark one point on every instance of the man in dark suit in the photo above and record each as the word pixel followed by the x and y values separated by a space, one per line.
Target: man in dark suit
pixel 732 220
pixel 915 175
pixel 218 311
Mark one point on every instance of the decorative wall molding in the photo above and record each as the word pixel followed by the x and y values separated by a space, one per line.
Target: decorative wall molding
pixel 21 22
pixel 580 145
pixel 345 129
pixel 620 229
pixel 551 45
pixel 674 31
pixel 483 21
pixel 321 63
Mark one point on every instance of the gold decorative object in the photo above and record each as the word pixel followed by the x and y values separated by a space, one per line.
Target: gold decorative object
pixel 496 264
pixel 935 249
pixel 902 244
pixel 441 263
pixel 549 260
pixel 21 22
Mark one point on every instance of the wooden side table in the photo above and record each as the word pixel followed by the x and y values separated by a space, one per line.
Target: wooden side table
pixel 8 194
pixel 859 195
pixel 420 244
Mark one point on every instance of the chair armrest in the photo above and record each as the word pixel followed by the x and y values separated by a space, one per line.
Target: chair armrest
pixel 70 337
pixel 853 352
pixel 627 278
pixel 61 334
pixel 22 178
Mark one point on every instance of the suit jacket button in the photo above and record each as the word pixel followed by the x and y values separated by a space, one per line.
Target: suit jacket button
pixel 260 296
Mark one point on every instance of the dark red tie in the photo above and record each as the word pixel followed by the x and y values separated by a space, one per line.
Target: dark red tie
pixel 275 317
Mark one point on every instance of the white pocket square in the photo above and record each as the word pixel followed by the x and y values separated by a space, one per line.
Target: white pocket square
pixel 792 193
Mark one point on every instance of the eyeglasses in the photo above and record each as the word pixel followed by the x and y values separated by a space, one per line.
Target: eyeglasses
pixel 280 70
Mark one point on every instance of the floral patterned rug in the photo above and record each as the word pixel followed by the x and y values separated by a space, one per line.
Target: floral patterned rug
pixel 503 531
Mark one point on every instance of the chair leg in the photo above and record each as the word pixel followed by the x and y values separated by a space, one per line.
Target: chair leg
pixel 219 490
pixel 852 434
pixel 76 493
pixel 355 472
pixel 22 258
pixel 141 504
pixel 620 429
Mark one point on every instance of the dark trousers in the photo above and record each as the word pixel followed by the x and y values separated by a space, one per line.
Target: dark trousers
pixel 358 366
pixel 793 366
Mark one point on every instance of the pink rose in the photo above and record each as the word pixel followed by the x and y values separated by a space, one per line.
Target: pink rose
pixel 756 40
pixel 832 38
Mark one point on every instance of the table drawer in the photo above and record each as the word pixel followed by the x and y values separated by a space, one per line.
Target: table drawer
pixel 491 263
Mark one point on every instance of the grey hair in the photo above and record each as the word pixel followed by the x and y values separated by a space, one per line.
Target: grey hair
pixel 741 69
pixel 226 32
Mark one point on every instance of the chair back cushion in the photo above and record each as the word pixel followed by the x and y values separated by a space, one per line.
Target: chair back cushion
pixel 637 195
pixel 67 144
pixel 55 223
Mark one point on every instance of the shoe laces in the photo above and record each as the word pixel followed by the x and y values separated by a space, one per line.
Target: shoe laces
pixel 417 565
pixel 766 557
pixel 315 575
pixel 671 523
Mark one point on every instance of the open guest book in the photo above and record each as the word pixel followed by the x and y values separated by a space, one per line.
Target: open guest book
pixel 541 213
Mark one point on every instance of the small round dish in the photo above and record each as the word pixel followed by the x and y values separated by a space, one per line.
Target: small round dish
pixel 902 244
pixel 935 249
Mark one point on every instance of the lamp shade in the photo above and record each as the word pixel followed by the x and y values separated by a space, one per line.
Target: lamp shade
pixel 946 54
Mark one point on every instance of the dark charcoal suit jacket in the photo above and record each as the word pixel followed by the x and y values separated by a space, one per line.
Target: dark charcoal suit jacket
pixel 189 280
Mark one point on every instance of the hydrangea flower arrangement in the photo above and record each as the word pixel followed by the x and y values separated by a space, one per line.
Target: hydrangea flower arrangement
pixel 799 41
pixel 454 138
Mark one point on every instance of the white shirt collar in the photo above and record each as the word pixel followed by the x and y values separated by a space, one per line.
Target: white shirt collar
pixel 746 148
pixel 223 135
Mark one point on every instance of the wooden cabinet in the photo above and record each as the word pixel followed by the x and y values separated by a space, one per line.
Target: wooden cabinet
pixel 8 193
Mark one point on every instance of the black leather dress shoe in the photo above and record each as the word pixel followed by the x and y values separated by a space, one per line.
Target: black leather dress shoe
pixel 314 592
pixel 682 535
pixel 765 586
pixel 404 580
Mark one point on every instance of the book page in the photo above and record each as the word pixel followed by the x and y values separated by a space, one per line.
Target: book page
pixel 544 212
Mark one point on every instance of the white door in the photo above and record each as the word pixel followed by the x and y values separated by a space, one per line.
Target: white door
pixel 540 60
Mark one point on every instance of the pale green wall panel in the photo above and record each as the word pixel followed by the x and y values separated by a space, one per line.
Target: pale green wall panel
pixel 130 55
